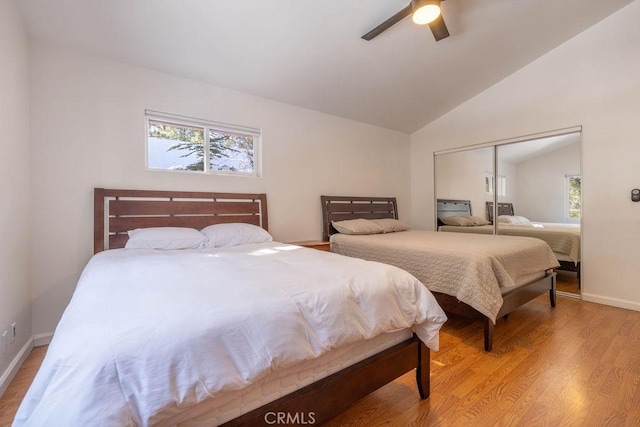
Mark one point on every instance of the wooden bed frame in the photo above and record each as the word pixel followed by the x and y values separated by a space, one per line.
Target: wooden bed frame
pixel 340 207
pixel 449 207
pixel 505 208
pixel 117 211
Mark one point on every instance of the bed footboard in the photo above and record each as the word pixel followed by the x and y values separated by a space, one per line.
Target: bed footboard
pixel 511 301
pixel 330 396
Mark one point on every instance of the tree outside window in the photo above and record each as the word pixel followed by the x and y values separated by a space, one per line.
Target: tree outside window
pixel 183 147
pixel 574 196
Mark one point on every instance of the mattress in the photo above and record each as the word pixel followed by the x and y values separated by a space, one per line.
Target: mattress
pixel 563 239
pixel 475 268
pixel 232 405
pixel 151 334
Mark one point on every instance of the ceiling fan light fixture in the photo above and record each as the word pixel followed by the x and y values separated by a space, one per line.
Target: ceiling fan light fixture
pixel 425 11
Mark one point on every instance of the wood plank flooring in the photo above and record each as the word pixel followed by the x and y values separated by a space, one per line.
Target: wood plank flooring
pixel 18 388
pixel 567 281
pixel 575 365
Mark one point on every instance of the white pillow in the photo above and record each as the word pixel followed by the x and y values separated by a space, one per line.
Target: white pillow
pixel 166 238
pixel 357 226
pixel 233 234
pixel 513 219
pixel 508 219
pixel 391 225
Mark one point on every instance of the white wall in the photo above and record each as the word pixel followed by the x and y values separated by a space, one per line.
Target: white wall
pixel 510 172
pixel 88 131
pixel 461 176
pixel 541 184
pixel 15 300
pixel 592 80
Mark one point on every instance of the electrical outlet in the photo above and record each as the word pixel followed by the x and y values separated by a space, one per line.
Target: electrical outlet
pixel 14 332
pixel 4 343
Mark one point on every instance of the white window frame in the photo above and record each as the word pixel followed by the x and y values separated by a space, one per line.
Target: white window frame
pixel 206 125
pixel 488 183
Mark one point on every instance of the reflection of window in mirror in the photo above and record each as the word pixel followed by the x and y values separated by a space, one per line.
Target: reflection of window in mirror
pixel 573 196
pixel 488 183
pixel 502 184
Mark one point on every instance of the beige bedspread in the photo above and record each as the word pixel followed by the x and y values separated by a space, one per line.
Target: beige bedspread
pixel 562 238
pixel 475 268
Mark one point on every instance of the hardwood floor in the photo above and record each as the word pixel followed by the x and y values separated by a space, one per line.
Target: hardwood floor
pixel 575 365
pixel 18 388
pixel 567 281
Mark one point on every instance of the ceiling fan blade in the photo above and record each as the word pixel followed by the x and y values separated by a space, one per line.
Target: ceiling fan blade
pixel 389 23
pixel 439 28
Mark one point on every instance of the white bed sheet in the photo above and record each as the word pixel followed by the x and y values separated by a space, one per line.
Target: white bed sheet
pixel 150 333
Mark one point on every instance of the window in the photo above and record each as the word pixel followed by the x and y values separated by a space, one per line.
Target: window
pixel 502 184
pixel 488 183
pixel 573 196
pixel 179 143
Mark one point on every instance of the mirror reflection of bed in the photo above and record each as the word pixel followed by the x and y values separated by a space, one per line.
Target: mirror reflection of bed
pixel 535 180
pixel 562 238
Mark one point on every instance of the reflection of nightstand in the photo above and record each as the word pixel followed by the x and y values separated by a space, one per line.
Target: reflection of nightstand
pixel 314 244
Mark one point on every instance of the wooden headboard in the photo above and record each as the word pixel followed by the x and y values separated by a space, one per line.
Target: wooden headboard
pixel 340 208
pixel 450 207
pixel 503 209
pixel 118 211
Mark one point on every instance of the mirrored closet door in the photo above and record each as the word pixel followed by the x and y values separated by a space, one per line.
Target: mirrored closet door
pixel 535 185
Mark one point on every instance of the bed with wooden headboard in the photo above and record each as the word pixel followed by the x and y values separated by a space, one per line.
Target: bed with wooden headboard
pixel 338 208
pixel 118 211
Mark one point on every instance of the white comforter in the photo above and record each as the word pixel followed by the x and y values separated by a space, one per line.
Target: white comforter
pixel 148 333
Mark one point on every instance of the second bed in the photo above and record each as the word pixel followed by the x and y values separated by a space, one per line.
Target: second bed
pixel 478 276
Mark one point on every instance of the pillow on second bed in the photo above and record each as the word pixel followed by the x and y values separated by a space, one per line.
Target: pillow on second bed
pixel 234 234
pixel 390 225
pixel 165 238
pixel 464 221
pixel 507 219
pixel 357 226
pixel 522 219
pixel 513 219
pixel 478 221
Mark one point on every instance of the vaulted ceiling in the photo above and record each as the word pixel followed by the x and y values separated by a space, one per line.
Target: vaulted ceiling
pixel 310 54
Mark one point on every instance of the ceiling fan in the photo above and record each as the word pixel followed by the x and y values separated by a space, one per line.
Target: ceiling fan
pixel 423 12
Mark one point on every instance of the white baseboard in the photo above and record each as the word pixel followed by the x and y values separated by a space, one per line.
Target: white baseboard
pixel 42 339
pixel 614 302
pixel 15 365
